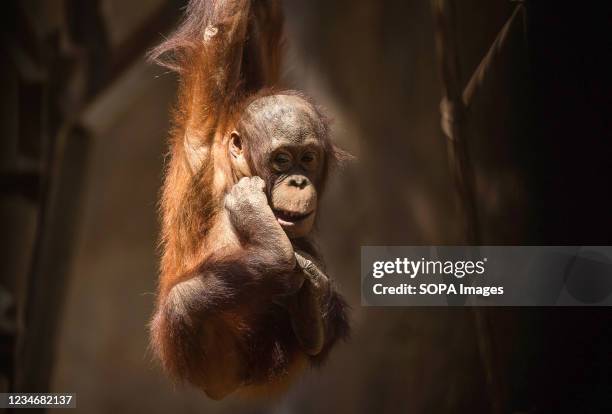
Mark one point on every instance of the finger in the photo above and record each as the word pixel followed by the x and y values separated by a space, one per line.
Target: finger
pixel 259 182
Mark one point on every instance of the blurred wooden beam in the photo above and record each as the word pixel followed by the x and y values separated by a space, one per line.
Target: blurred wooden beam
pixel 46 288
pixel 454 120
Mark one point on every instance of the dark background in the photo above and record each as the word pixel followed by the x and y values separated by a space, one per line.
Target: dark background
pixel 84 123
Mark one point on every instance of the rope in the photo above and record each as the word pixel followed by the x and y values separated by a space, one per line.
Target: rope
pixel 453 110
pixel 484 67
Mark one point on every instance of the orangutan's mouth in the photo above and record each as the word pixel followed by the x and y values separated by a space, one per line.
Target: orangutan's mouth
pixel 290 217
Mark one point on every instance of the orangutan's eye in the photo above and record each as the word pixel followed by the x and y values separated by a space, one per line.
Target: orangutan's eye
pixel 282 161
pixel 308 157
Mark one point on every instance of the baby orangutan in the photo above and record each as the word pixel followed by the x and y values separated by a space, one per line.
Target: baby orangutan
pixel 244 302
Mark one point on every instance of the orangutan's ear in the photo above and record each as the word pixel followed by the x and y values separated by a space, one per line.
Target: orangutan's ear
pixel 237 155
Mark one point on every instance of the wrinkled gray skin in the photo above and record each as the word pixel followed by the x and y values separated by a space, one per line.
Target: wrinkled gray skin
pixel 253 218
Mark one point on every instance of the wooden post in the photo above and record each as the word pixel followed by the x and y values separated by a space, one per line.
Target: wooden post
pixel 454 120
pixel 454 124
pixel 47 283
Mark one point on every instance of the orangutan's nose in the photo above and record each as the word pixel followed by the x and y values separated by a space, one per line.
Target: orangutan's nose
pixel 298 181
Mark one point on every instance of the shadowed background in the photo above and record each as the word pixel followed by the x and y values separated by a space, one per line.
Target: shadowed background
pixel 84 122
